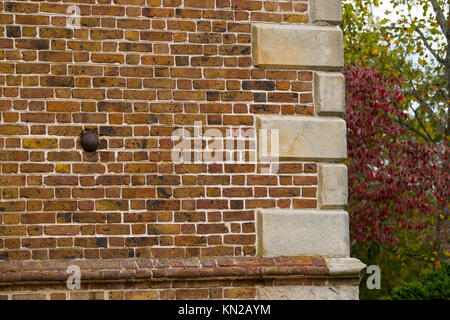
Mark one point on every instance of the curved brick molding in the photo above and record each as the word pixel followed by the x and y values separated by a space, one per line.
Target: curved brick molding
pixel 304 138
pixel 164 269
pixel 303 232
pixel 297 47
pixel 326 10
pixel 329 93
pixel 149 279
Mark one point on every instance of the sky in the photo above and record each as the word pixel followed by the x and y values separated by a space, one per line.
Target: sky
pixel 386 5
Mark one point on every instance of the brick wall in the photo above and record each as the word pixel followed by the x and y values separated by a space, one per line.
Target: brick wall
pixel 133 72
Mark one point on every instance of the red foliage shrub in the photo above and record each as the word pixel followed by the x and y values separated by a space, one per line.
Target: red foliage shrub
pixel 395 181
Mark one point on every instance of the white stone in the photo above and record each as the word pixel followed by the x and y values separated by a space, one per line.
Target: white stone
pixel 345 267
pixel 329 93
pixel 333 185
pixel 303 232
pixel 296 46
pixel 344 292
pixel 326 10
pixel 301 138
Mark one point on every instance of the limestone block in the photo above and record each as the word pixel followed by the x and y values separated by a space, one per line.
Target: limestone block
pixel 326 10
pixel 329 93
pixel 333 185
pixel 303 232
pixel 301 138
pixel 297 46
pixel 344 292
pixel 345 268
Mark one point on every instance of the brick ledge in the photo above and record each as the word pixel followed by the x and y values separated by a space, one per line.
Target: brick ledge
pixel 165 269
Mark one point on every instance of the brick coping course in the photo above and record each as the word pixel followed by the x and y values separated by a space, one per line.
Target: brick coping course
pixel 165 269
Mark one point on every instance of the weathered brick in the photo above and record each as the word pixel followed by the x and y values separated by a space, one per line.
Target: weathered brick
pixel 163 228
pixel 53 205
pixel 113 205
pixel 33 44
pixel 158 60
pixel 35 167
pixel 133 73
pixel 135 47
pixel 21 7
pixel 38 93
pixel 12 230
pixel 63 106
pixel 190 241
pixel 156 36
pixel 163 205
pixel 106 34
pixel 40 143
pixel 55 33
pixel 55 56
pixel 304 203
pixel 6 43
pixel 305 180
pixel 12 129
pixel 140 192
pixel 7 68
pixel 36 193
pixel 199 3
pixel 113 229
pixel 107 58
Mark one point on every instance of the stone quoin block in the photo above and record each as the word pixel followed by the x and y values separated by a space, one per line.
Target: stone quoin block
pixel 333 185
pixel 297 47
pixel 303 232
pixel 302 138
pixel 326 10
pixel 329 93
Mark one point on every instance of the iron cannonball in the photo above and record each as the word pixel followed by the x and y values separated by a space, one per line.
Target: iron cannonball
pixel 89 141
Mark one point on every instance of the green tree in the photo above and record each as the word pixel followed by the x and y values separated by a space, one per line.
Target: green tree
pixel 434 286
pixel 412 47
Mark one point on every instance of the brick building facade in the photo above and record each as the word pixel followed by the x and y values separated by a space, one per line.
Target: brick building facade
pixel 220 135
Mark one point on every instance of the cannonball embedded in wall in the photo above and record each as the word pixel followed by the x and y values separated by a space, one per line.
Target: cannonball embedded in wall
pixel 89 141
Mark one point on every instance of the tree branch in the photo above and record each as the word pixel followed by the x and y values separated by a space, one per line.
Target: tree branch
pixel 421 124
pixel 427 44
pixel 428 108
pixel 440 17
pixel 410 127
